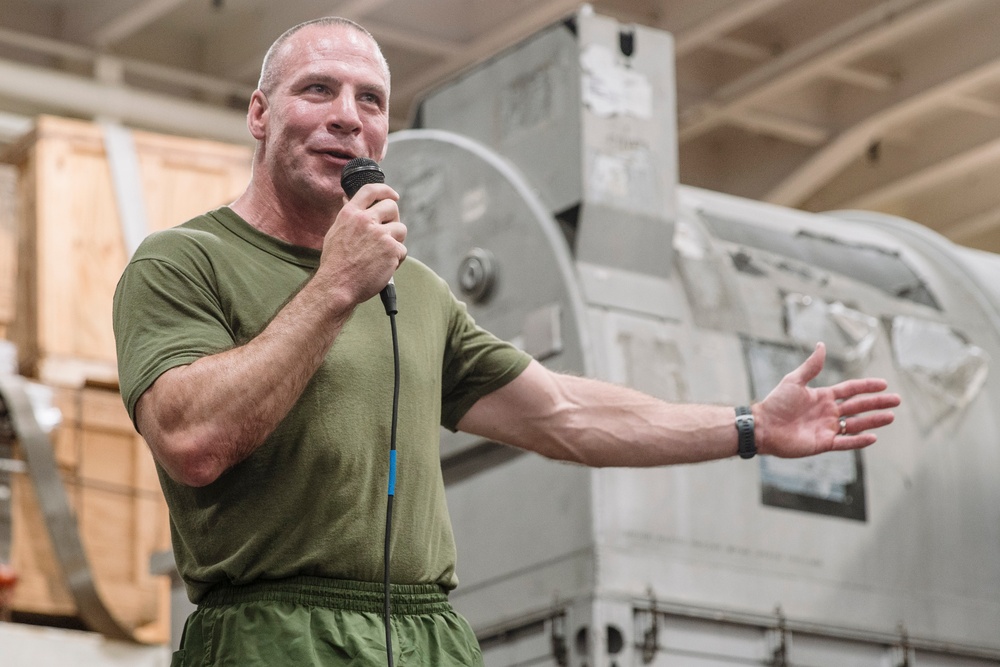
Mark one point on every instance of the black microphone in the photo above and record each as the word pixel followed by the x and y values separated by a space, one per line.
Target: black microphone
pixel 358 172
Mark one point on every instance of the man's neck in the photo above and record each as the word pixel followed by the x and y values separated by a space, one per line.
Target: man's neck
pixel 301 226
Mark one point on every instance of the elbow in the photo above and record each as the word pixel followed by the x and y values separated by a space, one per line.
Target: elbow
pixel 187 459
pixel 188 451
pixel 194 470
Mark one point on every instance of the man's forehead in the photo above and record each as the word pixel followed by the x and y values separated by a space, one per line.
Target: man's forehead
pixel 331 42
pixel 334 36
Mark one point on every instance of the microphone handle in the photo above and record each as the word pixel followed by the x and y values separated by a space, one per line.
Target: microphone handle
pixel 388 296
pixel 356 173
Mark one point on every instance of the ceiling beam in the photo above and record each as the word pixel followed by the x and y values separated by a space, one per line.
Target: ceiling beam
pixel 411 40
pixel 45 46
pixel 874 81
pixel 235 55
pixel 59 92
pixel 971 228
pixel 823 165
pixel 782 127
pixel 831 49
pixel 740 48
pixel 973 104
pixel 104 24
pixel 92 58
pixel 722 22
pixel 356 10
pixel 930 177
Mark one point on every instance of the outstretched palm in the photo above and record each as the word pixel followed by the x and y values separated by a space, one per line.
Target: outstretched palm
pixel 795 420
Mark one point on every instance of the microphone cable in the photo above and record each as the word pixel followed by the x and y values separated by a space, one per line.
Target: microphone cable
pixel 357 173
pixel 390 310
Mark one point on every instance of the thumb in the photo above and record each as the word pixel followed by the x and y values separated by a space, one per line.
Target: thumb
pixel 810 368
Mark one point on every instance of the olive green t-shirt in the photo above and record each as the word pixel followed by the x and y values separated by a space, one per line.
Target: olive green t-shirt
pixel 311 500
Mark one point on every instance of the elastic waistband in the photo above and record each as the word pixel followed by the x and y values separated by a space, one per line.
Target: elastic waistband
pixel 359 596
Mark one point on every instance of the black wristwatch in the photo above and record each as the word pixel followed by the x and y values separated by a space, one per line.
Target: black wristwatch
pixel 744 427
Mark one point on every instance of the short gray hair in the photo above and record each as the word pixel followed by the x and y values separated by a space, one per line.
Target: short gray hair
pixel 268 70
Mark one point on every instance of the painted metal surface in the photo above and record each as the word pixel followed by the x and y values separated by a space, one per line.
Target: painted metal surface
pixel 877 557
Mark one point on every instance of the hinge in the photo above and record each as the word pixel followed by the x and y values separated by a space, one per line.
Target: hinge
pixel 560 648
pixel 899 655
pixel 647 630
pixel 778 641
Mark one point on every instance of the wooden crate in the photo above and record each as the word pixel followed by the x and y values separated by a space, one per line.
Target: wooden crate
pixel 122 519
pixel 70 240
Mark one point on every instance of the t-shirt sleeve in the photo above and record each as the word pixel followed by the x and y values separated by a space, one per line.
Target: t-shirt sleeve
pixel 475 363
pixel 165 315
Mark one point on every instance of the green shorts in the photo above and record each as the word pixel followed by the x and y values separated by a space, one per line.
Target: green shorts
pixel 308 621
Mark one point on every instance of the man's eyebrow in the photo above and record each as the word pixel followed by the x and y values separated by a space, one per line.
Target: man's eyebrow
pixel 311 77
pixel 316 76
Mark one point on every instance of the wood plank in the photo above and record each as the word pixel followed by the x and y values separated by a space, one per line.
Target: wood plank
pixel 71 235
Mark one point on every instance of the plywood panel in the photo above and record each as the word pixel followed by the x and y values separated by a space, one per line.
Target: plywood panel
pixel 71 241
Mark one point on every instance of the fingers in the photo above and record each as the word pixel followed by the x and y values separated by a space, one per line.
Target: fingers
pixel 365 243
pixel 861 414
pixel 844 442
pixel 375 204
pixel 868 403
pixel 863 405
pixel 371 193
pixel 810 368
pixel 857 424
pixel 858 430
pixel 849 388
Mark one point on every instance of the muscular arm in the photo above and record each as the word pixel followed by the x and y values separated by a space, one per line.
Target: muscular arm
pixel 599 424
pixel 203 418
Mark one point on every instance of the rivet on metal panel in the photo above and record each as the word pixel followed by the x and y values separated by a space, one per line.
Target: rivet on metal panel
pixel 477 274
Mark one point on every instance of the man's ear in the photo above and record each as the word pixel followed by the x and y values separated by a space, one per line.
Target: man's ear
pixel 257 115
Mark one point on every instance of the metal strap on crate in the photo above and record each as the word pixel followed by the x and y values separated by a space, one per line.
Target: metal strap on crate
pixel 59 518
pixel 123 161
pixel 8 466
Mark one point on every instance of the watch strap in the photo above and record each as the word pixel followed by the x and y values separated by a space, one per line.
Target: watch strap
pixel 747 445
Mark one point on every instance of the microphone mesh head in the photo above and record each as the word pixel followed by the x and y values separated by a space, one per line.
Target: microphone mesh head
pixel 360 171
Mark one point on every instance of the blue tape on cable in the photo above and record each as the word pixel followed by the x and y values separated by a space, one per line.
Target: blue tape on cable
pixel 392 472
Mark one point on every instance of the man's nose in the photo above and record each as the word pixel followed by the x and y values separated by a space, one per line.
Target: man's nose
pixel 344 114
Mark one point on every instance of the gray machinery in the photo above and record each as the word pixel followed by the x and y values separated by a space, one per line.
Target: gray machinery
pixel 543 187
